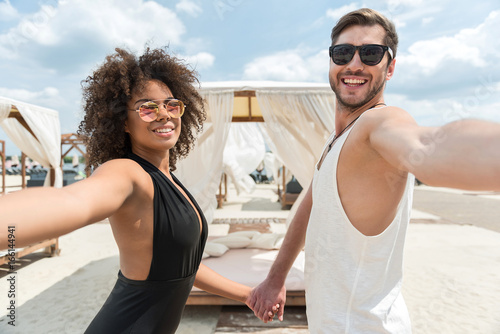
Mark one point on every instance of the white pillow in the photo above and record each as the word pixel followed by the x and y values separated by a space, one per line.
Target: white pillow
pixel 233 241
pixel 279 241
pixel 246 234
pixel 267 241
pixel 205 255
pixel 215 249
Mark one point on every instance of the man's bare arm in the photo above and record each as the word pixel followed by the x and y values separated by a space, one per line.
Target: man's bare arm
pixel 464 154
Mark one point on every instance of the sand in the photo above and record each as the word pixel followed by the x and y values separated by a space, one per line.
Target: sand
pixel 451 282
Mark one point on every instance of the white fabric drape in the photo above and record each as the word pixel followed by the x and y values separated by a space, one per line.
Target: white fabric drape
pixel 201 171
pixel 297 123
pixel 45 125
pixel 244 151
pixel 4 111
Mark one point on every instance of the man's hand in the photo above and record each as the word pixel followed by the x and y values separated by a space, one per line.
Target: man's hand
pixel 268 300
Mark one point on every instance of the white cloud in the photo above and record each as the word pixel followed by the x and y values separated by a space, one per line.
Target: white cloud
pixel 427 20
pixel 395 5
pixel 7 12
pixel 189 7
pixel 437 112
pixel 290 65
pixel 399 11
pixel 201 60
pixel 49 96
pixel 336 14
pixel 429 55
pixel 103 23
pixel 468 49
pixel 404 13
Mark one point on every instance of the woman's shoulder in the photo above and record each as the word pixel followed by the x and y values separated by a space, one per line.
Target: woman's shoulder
pixel 122 168
pixel 119 164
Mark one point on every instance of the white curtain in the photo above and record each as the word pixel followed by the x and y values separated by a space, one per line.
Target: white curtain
pixel 4 111
pixel 201 171
pixel 244 151
pixel 297 124
pixel 45 125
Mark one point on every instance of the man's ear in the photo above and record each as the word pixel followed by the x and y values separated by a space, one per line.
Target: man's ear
pixel 390 70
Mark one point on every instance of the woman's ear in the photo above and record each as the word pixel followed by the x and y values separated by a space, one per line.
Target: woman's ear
pixel 126 127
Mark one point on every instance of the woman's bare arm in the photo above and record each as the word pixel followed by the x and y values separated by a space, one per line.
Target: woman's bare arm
pixel 210 281
pixel 43 213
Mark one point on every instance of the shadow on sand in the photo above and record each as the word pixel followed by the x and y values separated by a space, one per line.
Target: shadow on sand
pixel 69 305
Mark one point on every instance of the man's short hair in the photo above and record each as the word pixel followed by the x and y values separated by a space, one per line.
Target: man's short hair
pixel 367 17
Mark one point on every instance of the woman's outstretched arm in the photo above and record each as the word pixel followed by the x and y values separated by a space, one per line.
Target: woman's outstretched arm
pixel 42 213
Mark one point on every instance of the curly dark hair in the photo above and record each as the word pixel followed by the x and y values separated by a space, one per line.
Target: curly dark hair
pixel 108 90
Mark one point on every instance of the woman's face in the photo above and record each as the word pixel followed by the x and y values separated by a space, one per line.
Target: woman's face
pixel 157 136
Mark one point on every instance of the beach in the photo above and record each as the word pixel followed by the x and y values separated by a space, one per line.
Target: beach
pixel 451 272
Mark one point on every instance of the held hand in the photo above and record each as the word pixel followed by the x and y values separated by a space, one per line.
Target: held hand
pixel 267 300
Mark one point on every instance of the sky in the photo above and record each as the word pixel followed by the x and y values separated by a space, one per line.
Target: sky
pixel 446 64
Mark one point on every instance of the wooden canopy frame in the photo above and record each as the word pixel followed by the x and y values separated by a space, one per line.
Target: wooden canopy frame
pixel 14 113
pixel 246 108
pixel 75 142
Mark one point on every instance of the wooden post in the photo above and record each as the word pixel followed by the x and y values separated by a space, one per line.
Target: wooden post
pixel 23 170
pixel 74 141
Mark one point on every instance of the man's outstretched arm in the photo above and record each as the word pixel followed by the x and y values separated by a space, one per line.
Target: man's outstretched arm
pixel 272 290
pixel 463 154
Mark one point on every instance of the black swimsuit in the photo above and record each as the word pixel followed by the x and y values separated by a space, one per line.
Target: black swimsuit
pixel 156 304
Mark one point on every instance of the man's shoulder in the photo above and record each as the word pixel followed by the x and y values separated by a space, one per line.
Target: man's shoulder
pixel 389 116
pixel 386 113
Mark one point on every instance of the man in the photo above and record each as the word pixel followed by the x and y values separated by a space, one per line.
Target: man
pixel 354 217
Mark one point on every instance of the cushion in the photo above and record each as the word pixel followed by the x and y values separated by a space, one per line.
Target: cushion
pixel 233 241
pixel 215 249
pixel 267 241
pixel 246 234
pixel 251 266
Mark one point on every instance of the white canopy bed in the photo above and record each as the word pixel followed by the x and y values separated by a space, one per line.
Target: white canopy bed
pixel 294 119
pixel 36 132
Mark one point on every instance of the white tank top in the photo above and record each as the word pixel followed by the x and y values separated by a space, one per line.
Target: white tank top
pixel 353 281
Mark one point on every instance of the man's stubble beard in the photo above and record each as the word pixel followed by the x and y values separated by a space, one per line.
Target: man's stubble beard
pixel 351 107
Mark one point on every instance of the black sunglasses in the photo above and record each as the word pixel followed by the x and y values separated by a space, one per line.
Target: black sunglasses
pixel 370 54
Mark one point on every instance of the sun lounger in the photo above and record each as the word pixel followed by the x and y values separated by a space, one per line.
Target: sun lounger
pixel 51 248
pixel 250 267
pixel 248 262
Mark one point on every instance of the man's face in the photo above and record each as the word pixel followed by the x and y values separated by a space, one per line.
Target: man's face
pixel 357 84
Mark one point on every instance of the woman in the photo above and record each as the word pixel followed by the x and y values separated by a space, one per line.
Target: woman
pixel 140 115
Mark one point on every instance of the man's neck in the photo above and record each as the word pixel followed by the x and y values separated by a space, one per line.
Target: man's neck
pixel 345 114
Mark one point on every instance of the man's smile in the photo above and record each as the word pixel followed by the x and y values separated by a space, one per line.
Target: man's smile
pixel 354 82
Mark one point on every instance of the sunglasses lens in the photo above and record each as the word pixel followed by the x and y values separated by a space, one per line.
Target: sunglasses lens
pixel 342 54
pixel 371 55
pixel 175 108
pixel 148 111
